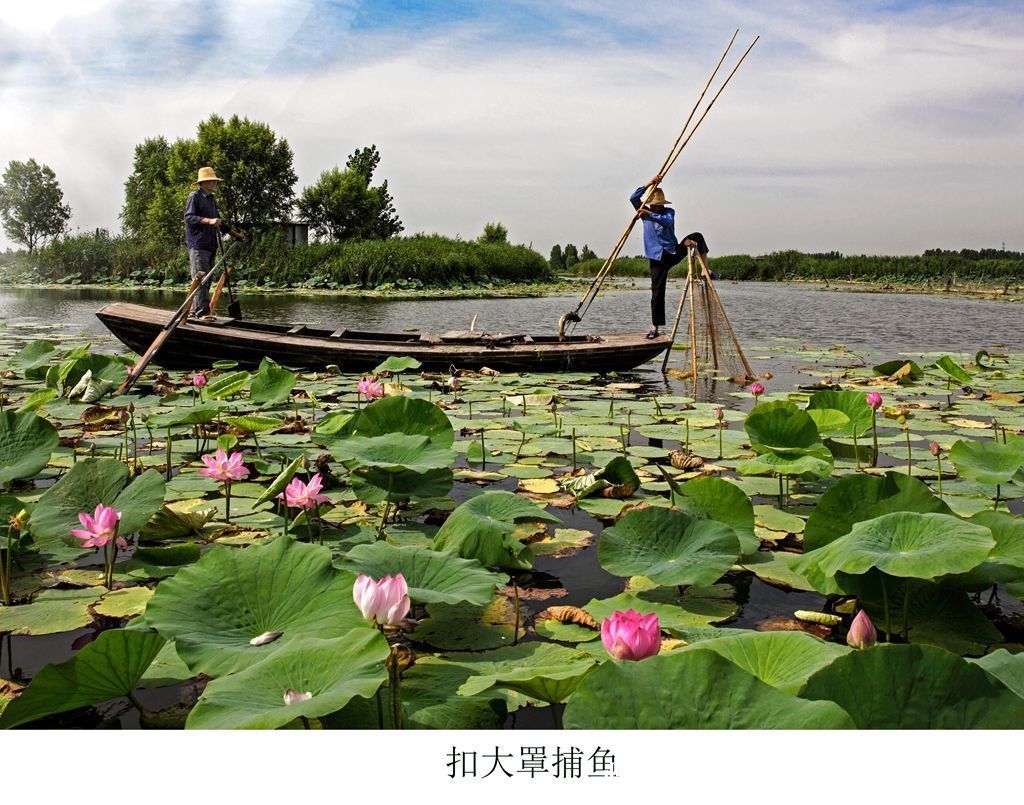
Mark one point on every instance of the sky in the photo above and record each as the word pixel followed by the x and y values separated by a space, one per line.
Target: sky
pixel 868 128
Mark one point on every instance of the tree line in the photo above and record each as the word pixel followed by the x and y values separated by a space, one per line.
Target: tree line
pixel 257 190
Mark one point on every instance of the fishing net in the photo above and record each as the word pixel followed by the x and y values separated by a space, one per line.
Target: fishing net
pixel 717 352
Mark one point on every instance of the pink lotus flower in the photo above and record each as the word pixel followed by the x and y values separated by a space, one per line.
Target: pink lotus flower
pixel 385 602
pixel 99 528
pixel 370 388
pixel 199 381
pixel 304 496
pixel 862 632
pixel 874 399
pixel 934 448
pixel 757 389
pixel 631 636
pixel 222 468
pixel 719 414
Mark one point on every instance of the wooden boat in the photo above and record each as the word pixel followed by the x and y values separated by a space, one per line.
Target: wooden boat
pixel 198 343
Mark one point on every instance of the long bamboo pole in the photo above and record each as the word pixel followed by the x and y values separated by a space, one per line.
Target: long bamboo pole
pixel 693 325
pixel 665 165
pixel 172 324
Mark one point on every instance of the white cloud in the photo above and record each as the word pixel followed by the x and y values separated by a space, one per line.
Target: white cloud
pixel 881 134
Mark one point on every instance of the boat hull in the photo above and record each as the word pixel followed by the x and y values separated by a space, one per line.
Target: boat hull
pixel 198 344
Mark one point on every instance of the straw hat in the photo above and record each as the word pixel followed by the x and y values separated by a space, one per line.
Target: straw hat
pixel 657 197
pixel 206 175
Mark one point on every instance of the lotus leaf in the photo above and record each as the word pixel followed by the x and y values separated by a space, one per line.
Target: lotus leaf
pixel 271 384
pixel 717 499
pixel 854 498
pixel 280 482
pixel 432 576
pixel 915 687
pixel 124 603
pixel 543 671
pixel 334 671
pixel 192 415
pixel 989 462
pixel 51 612
pixel 254 423
pixel 1006 667
pixel 468 628
pixel 851 403
pixel 696 607
pixel 483 528
pixel 26 443
pixel 396 453
pixel 225 385
pixel 36 400
pixel 668 546
pixel 105 669
pixel 396 364
pixel 890 368
pixel 907 544
pixel 180 518
pixel 690 690
pixel 1005 564
pixel 784 660
pixel 88 483
pixel 212 609
pixel 950 367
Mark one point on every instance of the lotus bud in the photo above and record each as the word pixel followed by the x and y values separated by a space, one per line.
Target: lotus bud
pixel 17 522
pixel 293 697
pixel 719 414
pixel 874 399
pixel 862 632
pixel 631 636
pixel 757 389
pixel 199 381
pixel 934 448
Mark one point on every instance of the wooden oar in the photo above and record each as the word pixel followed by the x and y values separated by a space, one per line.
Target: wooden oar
pixel 215 297
pixel 177 318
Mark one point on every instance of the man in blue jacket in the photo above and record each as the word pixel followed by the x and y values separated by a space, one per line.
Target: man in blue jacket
pixel 661 247
pixel 202 223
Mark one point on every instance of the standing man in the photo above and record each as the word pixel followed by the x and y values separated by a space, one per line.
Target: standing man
pixel 661 247
pixel 202 224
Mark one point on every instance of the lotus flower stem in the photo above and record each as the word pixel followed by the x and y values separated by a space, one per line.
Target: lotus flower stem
pixel 259 450
pixel 910 460
pixel 522 444
pixel 574 449
pixel 906 613
pixel 856 451
pixel 384 516
pixel 5 568
pixel 227 501
pixel 380 710
pixel 657 405
pixel 938 458
pixel 483 451
pixel 996 504
pixel 515 625
pixel 686 446
pixel 780 490
pixel 874 438
pixel 885 606
pixel 396 688
pixel 721 452
pixel 623 438
pixel 168 450
pixel 556 714
pixel 611 407
pixel 470 404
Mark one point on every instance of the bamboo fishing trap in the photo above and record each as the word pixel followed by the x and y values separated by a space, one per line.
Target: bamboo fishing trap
pixel 714 350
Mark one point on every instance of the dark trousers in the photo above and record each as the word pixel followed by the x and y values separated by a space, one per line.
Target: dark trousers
pixel 659 275
pixel 659 278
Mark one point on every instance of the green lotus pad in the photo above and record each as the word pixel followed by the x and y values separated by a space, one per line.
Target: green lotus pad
pixel 915 687
pixel 669 547
pixel 432 576
pixel 212 609
pixel 334 671
pixel 105 669
pixel 543 671
pixel 690 690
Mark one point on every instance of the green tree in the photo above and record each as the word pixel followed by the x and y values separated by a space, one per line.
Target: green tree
pixel 255 166
pixel 343 205
pixel 148 180
pixel 31 204
pixel 586 253
pixel 572 257
pixel 494 233
pixel 557 259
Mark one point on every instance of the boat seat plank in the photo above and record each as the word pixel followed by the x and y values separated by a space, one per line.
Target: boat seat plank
pixel 297 329
pixel 338 333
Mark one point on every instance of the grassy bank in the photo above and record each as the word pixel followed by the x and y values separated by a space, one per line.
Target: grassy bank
pixel 419 261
